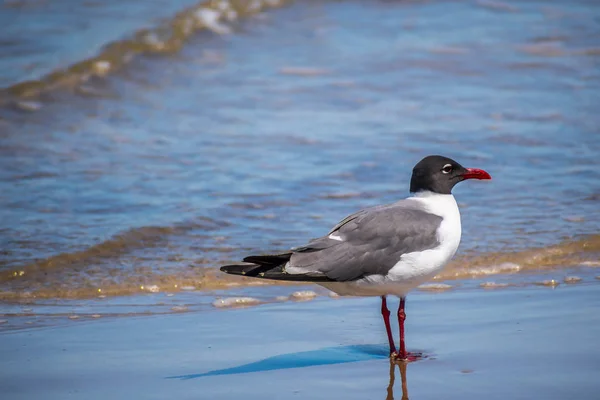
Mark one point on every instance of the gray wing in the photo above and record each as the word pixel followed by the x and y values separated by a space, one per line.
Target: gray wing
pixel 372 242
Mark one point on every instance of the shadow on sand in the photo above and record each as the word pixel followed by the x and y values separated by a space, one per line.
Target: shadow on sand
pixel 326 356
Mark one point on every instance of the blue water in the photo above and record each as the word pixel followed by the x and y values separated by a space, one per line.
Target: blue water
pixel 265 137
pixel 40 37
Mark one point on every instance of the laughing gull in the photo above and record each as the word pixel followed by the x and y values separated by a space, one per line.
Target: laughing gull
pixel 383 250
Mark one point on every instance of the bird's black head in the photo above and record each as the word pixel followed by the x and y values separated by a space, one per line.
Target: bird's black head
pixel 439 174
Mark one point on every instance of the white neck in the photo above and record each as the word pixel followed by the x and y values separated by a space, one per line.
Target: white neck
pixel 443 205
pixel 450 229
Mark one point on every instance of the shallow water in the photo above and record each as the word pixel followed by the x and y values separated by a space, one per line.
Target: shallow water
pixel 36 312
pixel 516 344
pixel 257 139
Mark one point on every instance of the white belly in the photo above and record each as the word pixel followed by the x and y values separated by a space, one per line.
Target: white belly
pixel 413 269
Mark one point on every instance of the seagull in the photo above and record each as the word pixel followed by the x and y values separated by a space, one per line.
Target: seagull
pixel 382 250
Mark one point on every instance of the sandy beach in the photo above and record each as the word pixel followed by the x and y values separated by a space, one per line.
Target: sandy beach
pixel 521 343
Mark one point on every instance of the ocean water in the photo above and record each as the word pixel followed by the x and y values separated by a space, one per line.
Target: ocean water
pixel 148 144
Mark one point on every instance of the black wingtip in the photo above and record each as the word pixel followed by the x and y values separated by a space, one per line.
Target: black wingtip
pixel 234 269
pixel 246 269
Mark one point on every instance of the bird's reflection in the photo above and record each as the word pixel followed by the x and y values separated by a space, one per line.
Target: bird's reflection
pixel 326 356
pixel 390 389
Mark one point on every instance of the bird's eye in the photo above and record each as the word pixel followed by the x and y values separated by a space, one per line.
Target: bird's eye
pixel 447 169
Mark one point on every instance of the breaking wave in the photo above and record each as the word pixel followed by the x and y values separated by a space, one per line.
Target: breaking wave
pixel 166 38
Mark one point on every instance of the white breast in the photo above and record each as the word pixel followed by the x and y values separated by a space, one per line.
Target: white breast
pixel 423 265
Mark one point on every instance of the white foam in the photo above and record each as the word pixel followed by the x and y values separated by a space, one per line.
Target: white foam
pixel 102 67
pixel 235 302
pixel 493 285
pixel 211 20
pixel 434 286
pixel 303 295
pixel 503 268
pixel 572 279
pixel 28 106
pixel 591 264
pixel 151 288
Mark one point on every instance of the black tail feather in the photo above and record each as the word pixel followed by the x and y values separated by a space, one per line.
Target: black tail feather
pixel 271 267
pixel 274 259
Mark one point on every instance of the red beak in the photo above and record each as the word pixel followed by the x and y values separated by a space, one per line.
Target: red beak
pixel 474 173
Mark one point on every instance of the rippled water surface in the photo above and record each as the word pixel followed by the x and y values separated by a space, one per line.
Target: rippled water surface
pixel 39 37
pixel 267 133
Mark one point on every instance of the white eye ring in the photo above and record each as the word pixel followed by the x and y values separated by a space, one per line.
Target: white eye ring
pixel 447 169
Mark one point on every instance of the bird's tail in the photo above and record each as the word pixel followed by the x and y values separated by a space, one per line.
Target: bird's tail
pixel 270 267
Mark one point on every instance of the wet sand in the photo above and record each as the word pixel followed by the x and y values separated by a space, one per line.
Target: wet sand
pixel 534 342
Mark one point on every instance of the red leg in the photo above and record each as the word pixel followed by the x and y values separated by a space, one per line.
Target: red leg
pixel 386 319
pixel 401 317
